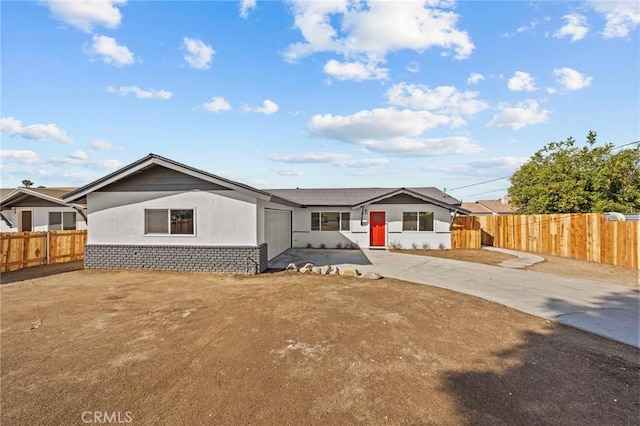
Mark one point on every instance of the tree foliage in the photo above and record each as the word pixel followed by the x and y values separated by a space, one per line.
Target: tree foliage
pixel 565 178
pixel 27 183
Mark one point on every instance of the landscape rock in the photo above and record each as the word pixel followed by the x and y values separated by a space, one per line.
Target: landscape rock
pixel 306 268
pixel 324 270
pixel 349 272
pixel 334 270
pixel 292 267
pixel 370 276
pixel 316 270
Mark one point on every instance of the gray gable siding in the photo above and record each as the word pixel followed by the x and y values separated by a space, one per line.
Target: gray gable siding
pixel 401 199
pixel 158 178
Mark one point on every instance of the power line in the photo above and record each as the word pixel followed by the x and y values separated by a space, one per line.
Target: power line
pixel 626 144
pixel 476 184
pixel 488 192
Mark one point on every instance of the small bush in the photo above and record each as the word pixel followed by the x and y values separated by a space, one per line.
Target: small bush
pixel 441 247
pixel 338 246
pixel 395 245
pixel 414 246
pixel 426 246
pixel 322 246
pixel 309 245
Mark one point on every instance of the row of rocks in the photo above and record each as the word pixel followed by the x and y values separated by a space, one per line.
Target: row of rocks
pixel 310 268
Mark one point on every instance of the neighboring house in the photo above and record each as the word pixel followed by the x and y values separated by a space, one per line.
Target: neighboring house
pixel 39 209
pixel 490 207
pixel 157 213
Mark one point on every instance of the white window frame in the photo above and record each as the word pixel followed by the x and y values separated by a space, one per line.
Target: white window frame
pixel 340 213
pixel 433 222
pixel 168 234
pixel 62 213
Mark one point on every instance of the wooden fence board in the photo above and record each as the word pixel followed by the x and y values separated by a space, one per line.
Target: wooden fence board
pixel 585 236
pixel 24 249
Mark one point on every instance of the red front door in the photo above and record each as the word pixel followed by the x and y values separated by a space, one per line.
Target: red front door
pixel 376 229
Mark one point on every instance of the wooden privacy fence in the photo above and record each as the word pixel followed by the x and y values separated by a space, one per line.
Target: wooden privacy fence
pixel 584 236
pixel 24 249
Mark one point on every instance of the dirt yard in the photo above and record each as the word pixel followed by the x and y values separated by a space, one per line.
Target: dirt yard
pixel 553 264
pixel 166 348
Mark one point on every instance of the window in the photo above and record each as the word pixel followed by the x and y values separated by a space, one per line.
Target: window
pixel 330 221
pixel 417 221
pixel 62 221
pixel 165 221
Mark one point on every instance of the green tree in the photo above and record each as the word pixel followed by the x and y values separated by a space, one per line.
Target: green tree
pixel 565 178
pixel 27 183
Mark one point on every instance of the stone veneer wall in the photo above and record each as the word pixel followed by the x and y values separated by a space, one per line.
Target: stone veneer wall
pixel 232 259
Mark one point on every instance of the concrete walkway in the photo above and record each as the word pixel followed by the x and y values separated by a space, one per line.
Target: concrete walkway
pixel 605 309
pixel 521 261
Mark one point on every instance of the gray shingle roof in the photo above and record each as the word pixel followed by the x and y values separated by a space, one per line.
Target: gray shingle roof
pixel 354 196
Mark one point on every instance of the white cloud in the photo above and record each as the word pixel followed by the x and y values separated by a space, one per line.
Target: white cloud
pixel 526 113
pixel 101 145
pixel 84 15
pixel 245 6
pixel 20 156
pixel 268 107
pixel 366 163
pixel 309 158
pixel 380 123
pixel 576 27
pixel 499 163
pixel 358 71
pixel 342 160
pixel 443 99
pixel 199 55
pixel 521 81
pixel 572 79
pixel 497 166
pixel 552 90
pixel 289 171
pixel 622 16
pixel 413 67
pixel 392 131
pixel 81 159
pixel 367 32
pixel 111 52
pixel 12 127
pixel 217 104
pixel 475 78
pixel 521 29
pixel 140 93
pixel 79 155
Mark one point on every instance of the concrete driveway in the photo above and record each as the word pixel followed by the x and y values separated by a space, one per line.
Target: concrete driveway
pixel 602 308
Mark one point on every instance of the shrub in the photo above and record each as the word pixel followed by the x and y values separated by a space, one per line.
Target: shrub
pixel 441 246
pixel 426 246
pixel 339 246
pixel 322 246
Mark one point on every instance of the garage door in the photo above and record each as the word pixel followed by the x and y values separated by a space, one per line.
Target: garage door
pixel 277 230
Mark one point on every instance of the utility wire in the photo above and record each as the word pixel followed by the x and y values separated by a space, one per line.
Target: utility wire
pixel 507 177
pixel 476 184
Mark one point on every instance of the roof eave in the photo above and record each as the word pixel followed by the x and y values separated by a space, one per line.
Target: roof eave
pixel 428 199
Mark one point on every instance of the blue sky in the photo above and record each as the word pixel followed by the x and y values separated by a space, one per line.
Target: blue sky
pixel 313 94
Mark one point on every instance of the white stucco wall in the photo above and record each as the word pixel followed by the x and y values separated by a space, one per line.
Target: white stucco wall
pixel 359 232
pixel 39 218
pixel 221 217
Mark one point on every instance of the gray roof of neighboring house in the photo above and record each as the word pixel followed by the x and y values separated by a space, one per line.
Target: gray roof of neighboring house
pixel 356 196
pixel 20 194
pixel 490 207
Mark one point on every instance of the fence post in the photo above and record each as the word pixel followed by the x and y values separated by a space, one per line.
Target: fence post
pixel 47 248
